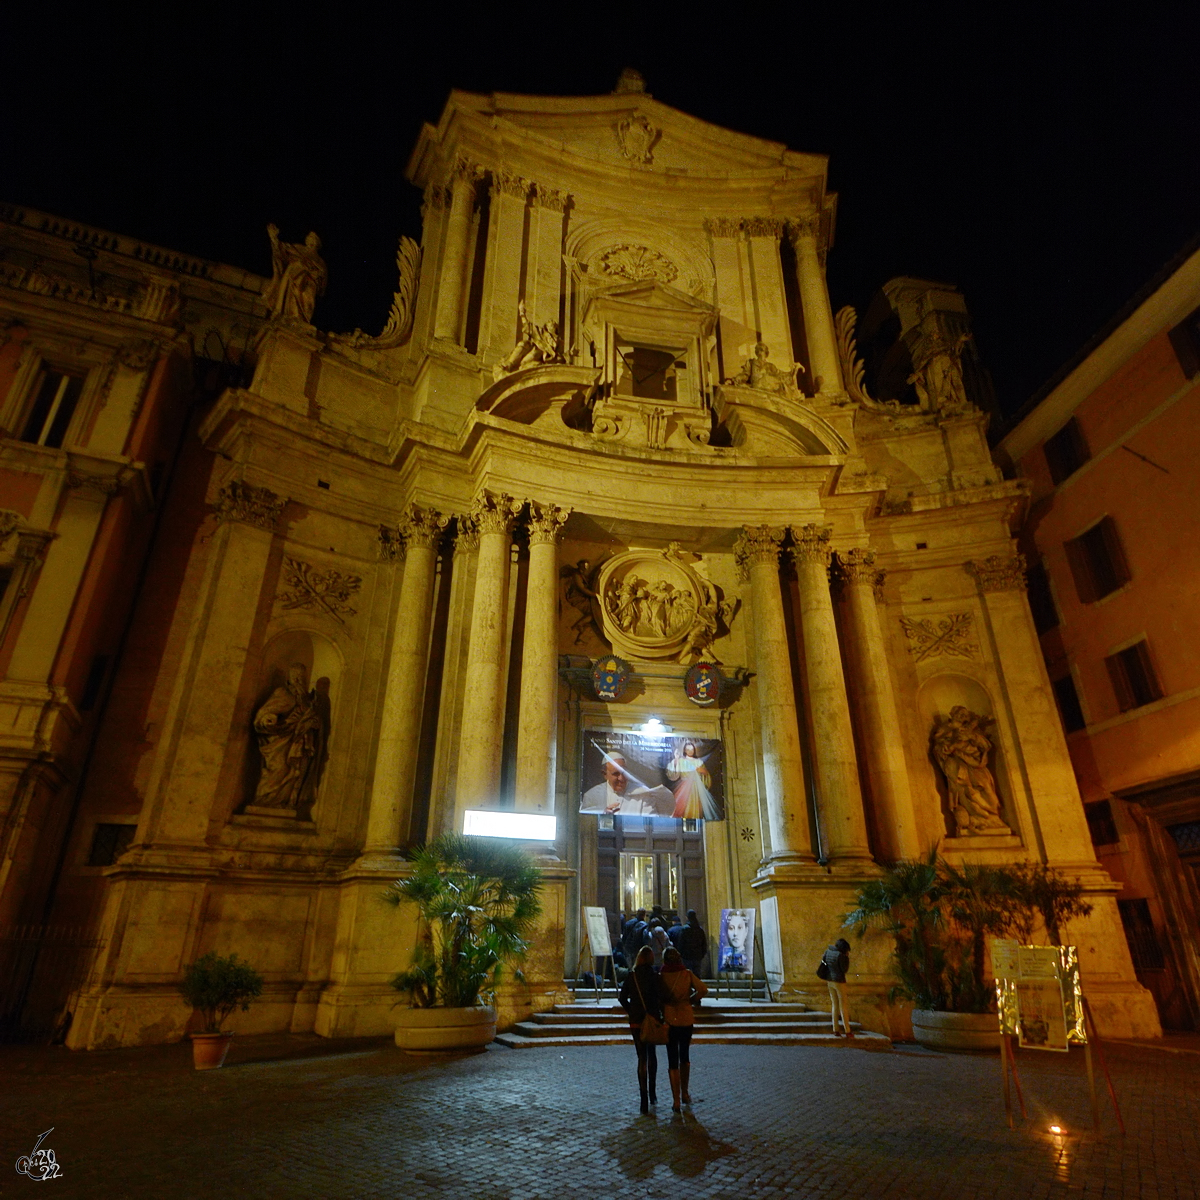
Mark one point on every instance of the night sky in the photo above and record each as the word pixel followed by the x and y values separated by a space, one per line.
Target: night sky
pixel 1045 158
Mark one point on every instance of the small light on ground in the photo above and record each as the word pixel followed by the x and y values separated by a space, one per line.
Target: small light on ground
pixel 1056 1129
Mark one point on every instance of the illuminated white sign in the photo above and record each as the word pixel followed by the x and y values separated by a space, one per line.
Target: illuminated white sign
pixel 505 823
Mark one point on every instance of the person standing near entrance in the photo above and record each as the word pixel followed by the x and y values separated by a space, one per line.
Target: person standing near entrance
pixel 639 995
pixel 836 961
pixel 679 985
pixel 693 943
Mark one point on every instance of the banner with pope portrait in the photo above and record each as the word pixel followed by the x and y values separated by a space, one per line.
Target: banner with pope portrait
pixel 665 775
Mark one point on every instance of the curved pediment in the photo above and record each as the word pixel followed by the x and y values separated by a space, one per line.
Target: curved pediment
pixel 772 426
pixel 528 394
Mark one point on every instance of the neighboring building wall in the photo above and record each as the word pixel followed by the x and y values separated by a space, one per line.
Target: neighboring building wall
pixel 96 387
pixel 1121 436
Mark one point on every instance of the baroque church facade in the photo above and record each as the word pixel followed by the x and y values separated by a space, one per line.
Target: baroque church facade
pixel 612 418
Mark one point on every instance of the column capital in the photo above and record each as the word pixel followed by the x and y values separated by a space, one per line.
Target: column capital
pixel 548 197
pixel 857 565
pixel 463 170
pixel 757 544
pixel 493 512
pixel 466 537
pixel 241 501
pixel 807 227
pixel 509 183
pixel 421 526
pixel 811 543
pixel 545 521
pixel 728 227
pixel 999 573
pixel 763 226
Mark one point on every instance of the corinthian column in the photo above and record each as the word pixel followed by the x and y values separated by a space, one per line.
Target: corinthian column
pixel 883 750
pixel 757 552
pixel 452 284
pixel 400 728
pixel 536 742
pixel 482 736
pixel 839 796
pixel 804 234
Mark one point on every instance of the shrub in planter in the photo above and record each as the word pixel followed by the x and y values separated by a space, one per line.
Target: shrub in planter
pixel 477 900
pixel 216 986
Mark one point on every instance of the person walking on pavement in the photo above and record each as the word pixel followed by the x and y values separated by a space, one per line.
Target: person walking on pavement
pixel 837 962
pixel 693 943
pixel 639 995
pixel 679 985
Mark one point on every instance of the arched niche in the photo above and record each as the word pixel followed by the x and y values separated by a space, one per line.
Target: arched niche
pixel 322 664
pixel 936 698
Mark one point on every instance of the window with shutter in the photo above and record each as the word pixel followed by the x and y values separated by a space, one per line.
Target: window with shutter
pixel 1133 677
pixel 1066 451
pixel 1098 561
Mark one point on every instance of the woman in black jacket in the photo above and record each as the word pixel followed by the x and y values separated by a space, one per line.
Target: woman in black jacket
pixel 640 994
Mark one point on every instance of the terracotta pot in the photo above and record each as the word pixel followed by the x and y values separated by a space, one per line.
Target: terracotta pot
pixel 209 1050
pixel 440 1030
pixel 956 1031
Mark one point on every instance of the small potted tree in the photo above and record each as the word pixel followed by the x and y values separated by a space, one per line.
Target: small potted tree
pixel 215 986
pixel 477 900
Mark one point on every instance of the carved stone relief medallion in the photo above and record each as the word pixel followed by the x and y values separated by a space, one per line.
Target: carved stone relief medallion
pixel 654 605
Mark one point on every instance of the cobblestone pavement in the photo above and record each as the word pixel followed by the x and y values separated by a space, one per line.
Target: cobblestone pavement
pixel 300 1117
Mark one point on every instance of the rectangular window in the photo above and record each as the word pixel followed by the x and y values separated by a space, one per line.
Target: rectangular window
pixel 1066 451
pixel 1133 677
pixel 1144 946
pixel 1101 825
pixel 1069 708
pixel 648 373
pixel 55 397
pixel 1041 601
pixel 109 842
pixel 1097 561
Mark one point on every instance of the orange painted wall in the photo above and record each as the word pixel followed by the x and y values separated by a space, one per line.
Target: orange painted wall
pixel 1156 509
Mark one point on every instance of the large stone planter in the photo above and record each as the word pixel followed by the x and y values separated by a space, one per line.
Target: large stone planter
pixel 441 1030
pixel 209 1050
pixel 956 1031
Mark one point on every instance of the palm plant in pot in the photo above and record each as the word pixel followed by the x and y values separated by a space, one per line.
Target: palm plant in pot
pixel 216 986
pixel 940 917
pixel 477 901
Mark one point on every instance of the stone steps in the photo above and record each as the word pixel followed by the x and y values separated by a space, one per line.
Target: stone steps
pixel 727 1022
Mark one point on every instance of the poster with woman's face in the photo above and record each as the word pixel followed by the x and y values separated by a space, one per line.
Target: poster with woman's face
pixel 636 774
pixel 735 947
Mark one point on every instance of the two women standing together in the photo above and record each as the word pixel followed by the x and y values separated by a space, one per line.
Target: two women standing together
pixel 667 996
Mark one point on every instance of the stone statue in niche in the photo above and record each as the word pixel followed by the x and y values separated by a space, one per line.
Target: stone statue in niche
pixel 961 748
pixel 536 344
pixel 293 730
pixel 580 594
pixel 298 278
pixel 938 377
pixel 758 373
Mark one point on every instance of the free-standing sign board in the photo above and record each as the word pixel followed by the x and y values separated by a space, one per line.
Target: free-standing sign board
pixel 735 947
pixel 596 920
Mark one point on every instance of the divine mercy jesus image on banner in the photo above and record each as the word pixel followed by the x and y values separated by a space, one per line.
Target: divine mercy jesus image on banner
pixel 669 775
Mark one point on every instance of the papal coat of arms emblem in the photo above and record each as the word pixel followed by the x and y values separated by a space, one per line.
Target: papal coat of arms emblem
pixel 610 674
pixel 702 683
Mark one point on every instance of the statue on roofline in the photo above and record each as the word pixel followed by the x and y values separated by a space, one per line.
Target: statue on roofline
pixel 298 278
pixel 765 376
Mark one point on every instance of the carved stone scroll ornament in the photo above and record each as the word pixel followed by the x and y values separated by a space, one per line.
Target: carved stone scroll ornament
pixel 636 263
pixel 298 278
pixel 654 605
pixel 757 544
pixel 327 591
pixel 399 322
pixel 961 749
pixel 636 138
pixel 545 521
pixel 951 636
pixel 292 728
pixel 853 370
pixel 998 573
pixel 258 506
pixel 536 344
pixel 765 376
